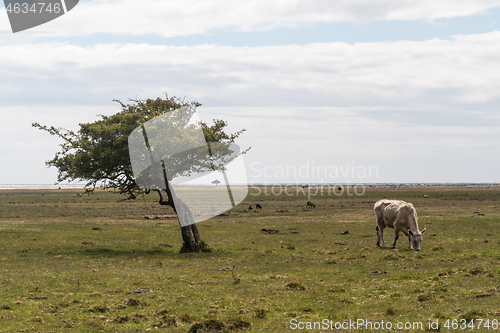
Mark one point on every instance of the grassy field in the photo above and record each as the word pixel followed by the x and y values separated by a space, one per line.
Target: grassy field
pixel 93 264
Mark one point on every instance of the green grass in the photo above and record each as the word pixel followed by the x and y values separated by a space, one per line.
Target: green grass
pixel 58 274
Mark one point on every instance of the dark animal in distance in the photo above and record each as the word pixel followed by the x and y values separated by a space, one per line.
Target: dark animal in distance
pixel 311 204
pixel 250 207
pixel 258 206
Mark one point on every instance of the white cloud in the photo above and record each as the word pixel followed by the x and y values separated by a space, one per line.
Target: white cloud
pixel 433 73
pixel 328 103
pixel 181 17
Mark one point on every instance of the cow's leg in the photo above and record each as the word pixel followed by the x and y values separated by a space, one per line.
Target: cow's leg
pixel 380 232
pixel 409 238
pixel 396 236
pixel 380 236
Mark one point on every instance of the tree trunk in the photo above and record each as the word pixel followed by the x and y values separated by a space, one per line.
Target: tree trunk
pixel 189 242
pixel 190 234
pixel 196 234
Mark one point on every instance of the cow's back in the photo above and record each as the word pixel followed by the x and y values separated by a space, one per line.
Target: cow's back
pixel 386 211
pixel 380 206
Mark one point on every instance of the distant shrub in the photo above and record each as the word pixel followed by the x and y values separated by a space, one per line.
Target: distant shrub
pixel 98 308
pixel 295 286
pixel 391 311
pixel 473 314
pixel 137 317
pixel 132 302
pixel 477 271
pixel 337 289
pixel 163 312
pixel 260 313
pixel 391 257
pixel 238 324
pixel 210 325
pixel 185 318
pixel 122 319
pixel 424 297
pixel 167 321
pixel 68 324
pixel 439 315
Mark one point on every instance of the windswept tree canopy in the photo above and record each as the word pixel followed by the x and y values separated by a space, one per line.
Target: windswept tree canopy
pixel 99 154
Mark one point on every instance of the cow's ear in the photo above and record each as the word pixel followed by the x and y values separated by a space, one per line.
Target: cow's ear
pixel 409 232
pixel 423 230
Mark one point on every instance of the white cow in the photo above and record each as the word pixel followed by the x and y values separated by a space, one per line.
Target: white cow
pixel 401 216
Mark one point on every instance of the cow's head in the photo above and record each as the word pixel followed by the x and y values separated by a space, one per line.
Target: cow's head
pixel 416 238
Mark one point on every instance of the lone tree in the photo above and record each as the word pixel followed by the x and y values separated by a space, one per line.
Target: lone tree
pixel 98 153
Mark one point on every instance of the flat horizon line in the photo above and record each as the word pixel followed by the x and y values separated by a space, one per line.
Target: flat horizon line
pixel 274 184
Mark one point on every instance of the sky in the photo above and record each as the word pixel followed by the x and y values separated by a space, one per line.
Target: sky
pixel 381 91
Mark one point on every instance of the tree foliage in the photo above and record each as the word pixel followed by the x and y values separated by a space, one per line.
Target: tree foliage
pixel 98 152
